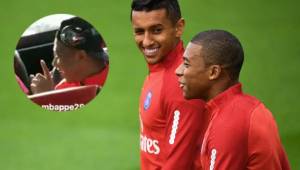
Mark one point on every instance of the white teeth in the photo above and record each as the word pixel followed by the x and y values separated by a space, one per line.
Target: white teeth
pixel 150 51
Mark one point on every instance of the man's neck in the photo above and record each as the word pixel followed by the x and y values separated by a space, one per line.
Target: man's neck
pixel 220 87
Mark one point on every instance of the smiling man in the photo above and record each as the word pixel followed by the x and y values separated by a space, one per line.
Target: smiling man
pixel 169 124
pixel 78 56
pixel 242 133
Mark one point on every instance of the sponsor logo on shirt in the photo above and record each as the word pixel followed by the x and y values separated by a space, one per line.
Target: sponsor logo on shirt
pixel 149 145
pixel 147 101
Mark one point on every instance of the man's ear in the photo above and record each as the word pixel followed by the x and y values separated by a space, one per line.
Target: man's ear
pixel 214 72
pixel 179 27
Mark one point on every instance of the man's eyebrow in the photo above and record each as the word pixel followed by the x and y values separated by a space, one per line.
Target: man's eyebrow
pixel 148 27
pixel 138 28
pixel 156 25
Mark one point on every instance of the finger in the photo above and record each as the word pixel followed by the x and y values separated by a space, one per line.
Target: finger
pixel 31 76
pixel 52 71
pixel 33 88
pixel 35 80
pixel 33 85
pixel 40 76
pixel 36 77
pixel 45 70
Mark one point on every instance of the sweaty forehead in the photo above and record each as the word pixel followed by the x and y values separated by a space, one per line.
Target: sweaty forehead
pixel 146 19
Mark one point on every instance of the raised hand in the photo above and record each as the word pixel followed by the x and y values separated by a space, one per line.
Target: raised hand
pixel 42 82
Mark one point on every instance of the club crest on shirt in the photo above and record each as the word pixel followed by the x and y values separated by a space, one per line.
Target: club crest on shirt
pixel 147 101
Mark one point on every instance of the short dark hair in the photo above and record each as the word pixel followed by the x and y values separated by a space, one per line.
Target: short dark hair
pixel 171 6
pixel 79 34
pixel 222 48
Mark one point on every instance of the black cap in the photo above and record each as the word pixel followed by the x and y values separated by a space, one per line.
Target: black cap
pixel 78 33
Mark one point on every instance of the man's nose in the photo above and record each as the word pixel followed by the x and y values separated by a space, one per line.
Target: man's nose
pixel 179 70
pixel 148 40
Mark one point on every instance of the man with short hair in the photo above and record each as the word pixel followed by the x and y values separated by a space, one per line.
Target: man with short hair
pixel 169 124
pixel 78 56
pixel 242 133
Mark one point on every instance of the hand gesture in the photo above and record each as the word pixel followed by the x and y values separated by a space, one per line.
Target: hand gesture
pixel 42 82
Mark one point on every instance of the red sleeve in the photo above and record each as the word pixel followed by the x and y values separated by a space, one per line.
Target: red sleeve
pixel 182 133
pixel 185 125
pixel 240 146
pixel 265 149
pixel 226 146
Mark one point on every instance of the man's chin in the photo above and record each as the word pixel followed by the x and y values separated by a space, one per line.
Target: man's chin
pixel 189 96
pixel 151 61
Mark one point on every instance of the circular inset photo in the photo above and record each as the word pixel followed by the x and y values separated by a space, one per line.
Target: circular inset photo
pixel 61 62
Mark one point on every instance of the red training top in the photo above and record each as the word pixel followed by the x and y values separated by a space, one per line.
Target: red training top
pixel 242 134
pixel 169 124
pixel 97 79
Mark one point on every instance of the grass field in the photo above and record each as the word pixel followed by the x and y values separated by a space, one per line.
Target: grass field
pixel 104 134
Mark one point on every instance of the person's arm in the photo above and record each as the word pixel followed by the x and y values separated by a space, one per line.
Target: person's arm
pixel 185 125
pixel 254 146
pixel 265 149
pixel 225 151
pixel 225 141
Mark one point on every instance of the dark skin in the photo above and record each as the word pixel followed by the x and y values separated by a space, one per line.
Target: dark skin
pixel 200 80
pixel 155 34
pixel 74 66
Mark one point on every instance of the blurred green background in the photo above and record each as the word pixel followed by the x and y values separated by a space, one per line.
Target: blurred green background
pixel 104 134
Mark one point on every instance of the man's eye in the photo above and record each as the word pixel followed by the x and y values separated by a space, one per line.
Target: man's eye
pixel 138 31
pixel 186 65
pixel 157 30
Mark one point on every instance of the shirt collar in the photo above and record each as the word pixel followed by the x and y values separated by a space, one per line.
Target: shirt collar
pixel 97 79
pixel 222 99
pixel 173 55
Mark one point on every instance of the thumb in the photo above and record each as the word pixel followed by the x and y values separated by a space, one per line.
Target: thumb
pixel 31 76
